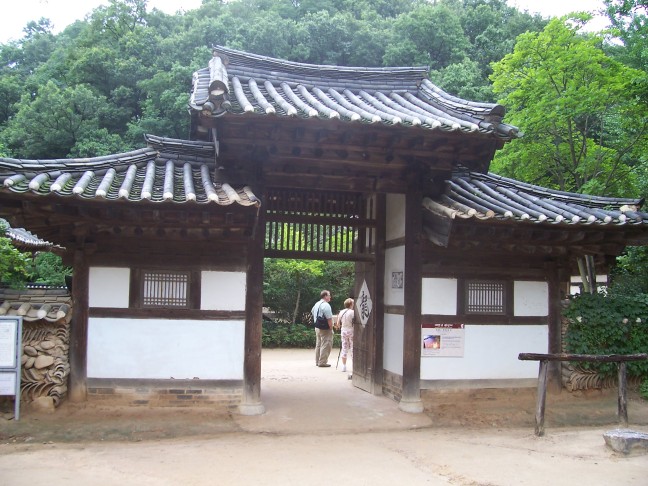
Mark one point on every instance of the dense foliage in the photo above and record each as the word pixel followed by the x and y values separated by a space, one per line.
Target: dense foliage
pixel 611 323
pixel 282 335
pixel 291 287
pixel 102 83
pixel 581 113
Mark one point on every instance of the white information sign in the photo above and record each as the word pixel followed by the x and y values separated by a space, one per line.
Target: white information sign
pixel 364 304
pixel 10 354
pixel 7 383
pixel 443 340
pixel 8 343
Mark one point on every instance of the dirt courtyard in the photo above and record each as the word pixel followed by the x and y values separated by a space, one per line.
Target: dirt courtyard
pixel 319 429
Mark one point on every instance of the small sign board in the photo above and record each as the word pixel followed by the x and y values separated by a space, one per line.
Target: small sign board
pixel 364 304
pixel 443 340
pixel 10 354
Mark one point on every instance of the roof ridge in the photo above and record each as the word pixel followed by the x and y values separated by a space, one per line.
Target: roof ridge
pixel 244 58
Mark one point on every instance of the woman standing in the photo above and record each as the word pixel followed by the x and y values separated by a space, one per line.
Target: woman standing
pixel 345 323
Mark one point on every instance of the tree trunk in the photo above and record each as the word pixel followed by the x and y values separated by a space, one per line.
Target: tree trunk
pixel 294 317
pixel 584 274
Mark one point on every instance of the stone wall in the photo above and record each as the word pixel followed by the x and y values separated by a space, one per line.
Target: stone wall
pixel 163 393
pixel 45 367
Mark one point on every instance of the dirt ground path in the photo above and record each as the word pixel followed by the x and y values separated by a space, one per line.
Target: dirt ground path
pixel 319 429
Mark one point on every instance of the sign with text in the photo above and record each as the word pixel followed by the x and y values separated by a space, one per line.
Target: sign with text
pixel 364 303
pixel 8 343
pixel 443 340
pixel 10 354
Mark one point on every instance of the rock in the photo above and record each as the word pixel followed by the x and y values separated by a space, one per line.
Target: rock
pixel 627 441
pixel 30 351
pixel 45 345
pixel 43 362
pixel 43 404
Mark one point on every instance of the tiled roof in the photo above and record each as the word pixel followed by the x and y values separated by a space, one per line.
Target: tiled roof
pixel 241 83
pixel 23 239
pixel 489 196
pixel 173 170
pixel 52 305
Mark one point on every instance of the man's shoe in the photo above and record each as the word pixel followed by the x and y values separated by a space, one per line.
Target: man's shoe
pixel 325 365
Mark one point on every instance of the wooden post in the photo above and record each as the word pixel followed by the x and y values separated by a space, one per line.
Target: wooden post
pixel 542 397
pixel 620 359
pixel 79 329
pixel 555 333
pixel 623 401
pixel 379 301
pixel 251 401
pixel 411 392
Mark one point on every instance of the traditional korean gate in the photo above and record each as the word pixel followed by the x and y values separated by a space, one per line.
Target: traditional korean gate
pixel 331 225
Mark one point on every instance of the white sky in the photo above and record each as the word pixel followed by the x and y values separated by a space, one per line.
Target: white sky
pixel 16 13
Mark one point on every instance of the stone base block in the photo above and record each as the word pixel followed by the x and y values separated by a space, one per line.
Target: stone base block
pixel 627 441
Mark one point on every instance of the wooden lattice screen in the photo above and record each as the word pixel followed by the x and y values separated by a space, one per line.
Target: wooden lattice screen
pixel 319 224
pixel 485 297
pixel 165 289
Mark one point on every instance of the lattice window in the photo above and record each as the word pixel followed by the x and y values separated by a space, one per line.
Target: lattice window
pixel 485 297
pixel 304 223
pixel 165 289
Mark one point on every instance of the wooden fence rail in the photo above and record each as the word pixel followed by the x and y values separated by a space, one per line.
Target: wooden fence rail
pixel 620 359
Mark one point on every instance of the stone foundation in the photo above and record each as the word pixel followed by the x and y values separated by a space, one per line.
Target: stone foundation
pixel 214 394
pixel 392 385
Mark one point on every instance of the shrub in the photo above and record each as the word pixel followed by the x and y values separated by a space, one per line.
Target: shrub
pixel 643 390
pixel 609 324
pixel 278 334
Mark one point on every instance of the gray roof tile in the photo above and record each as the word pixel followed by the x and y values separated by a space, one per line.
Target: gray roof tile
pixel 172 170
pixel 395 96
pixel 489 196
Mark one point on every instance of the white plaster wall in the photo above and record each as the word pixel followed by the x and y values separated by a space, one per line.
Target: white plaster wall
pixel 490 352
pixel 439 296
pixel 395 224
pixel 393 344
pixel 164 349
pixel 394 261
pixel 222 291
pixel 109 287
pixel 530 298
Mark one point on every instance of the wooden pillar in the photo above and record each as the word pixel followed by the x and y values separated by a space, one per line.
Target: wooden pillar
pixel 251 401
pixel 623 395
pixel 411 393
pixel 554 373
pixel 379 301
pixel 78 388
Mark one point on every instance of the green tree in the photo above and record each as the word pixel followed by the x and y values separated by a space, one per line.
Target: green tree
pixel 60 122
pixel 289 285
pixel 428 35
pixel 14 264
pixel 48 269
pixel 630 21
pixel 578 109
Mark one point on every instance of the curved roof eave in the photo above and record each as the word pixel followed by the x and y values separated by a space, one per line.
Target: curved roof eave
pixel 169 170
pixel 491 197
pixel 242 83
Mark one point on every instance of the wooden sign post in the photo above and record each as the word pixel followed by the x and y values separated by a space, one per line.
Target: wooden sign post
pixel 10 355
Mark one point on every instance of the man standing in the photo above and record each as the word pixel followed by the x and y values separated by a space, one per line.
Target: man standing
pixel 323 337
